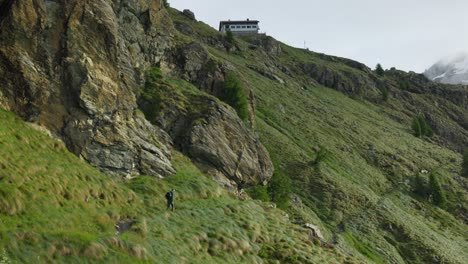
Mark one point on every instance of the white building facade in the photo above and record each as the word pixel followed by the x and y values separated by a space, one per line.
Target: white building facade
pixel 240 27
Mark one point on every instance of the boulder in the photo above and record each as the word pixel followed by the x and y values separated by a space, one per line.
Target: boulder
pixel 189 14
pixel 315 231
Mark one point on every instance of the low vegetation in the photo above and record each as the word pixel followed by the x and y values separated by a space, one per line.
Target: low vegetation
pixel 150 95
pixel 379 70
pixel 234 94
pixel 420 127
pixel 362 194
pixel 230 37
pixel 464 172
pixel 436 192
pixel 56 208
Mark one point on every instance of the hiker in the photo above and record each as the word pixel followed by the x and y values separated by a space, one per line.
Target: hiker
pixel 170 199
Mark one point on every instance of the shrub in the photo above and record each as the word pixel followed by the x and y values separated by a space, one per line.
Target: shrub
pixel 230 37
pixel 279 189
pixel 316 241
pixel 465 164
pixel 149 100
pixel 385 94
pixel 154 76
pixel 322 155
pixel 404 84
pixel 259 193
pixel 421 127
pixel 379 70
pixel 420 187
pixel 234 95
pixel 166 4
pixel 4 259
pixel 435 189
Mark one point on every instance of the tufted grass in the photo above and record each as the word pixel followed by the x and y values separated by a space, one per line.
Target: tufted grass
pixel 56 208
pixel 363 191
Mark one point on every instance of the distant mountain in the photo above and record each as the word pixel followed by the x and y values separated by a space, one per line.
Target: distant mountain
pixel 452 70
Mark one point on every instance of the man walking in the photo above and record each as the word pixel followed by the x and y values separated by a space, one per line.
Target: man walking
pixel 170 199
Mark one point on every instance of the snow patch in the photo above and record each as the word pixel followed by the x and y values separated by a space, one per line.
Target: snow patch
pixel 440 76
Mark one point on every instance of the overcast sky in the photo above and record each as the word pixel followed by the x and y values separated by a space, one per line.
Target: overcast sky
pixel 407 34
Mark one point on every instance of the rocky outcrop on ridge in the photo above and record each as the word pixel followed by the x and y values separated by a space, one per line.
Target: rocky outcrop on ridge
pixel 223 147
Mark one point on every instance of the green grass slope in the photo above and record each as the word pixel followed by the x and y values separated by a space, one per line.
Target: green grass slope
pixel 362 193
pixel 56 208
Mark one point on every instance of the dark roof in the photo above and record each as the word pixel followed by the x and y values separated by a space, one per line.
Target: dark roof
pixel 229 22
pixel 239 22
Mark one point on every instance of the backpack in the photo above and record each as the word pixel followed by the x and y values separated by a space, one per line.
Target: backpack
pixel 168 195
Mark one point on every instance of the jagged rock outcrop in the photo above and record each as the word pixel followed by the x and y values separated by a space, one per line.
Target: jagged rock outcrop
pixel 266 43
pixel 226 149
pixel 348 82
pixel 218 141
pixel 75 67
pixel 189 61
pixel 192 63
pixel 211 134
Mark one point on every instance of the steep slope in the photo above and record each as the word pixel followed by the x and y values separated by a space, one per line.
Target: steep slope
pixel 341 134
pixel 71 67
pixel 56 208
pixel 76 68
pixel 363 188
pixel 451 71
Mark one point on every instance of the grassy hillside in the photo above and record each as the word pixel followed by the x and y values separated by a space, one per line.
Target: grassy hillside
pixel 56 208
pixel 363 191
pixel 340 133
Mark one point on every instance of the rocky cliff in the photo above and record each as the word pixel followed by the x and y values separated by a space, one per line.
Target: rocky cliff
pixel 75 67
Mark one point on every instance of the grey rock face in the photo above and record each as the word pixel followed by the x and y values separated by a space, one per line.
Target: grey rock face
pixel 75 67
pixel 346 82
pixel 192 63
pixel 223 144
pixel 121 145
pixel 183 28
pixel 212 135
pixel 266 74
pixel 267 43
pixel 219 142
pixel 190 60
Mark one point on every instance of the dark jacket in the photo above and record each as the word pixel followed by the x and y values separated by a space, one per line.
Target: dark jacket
pixel 170 196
